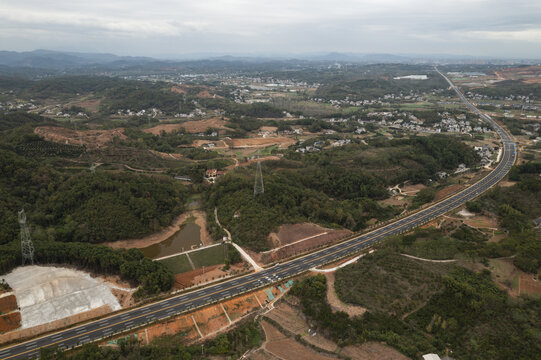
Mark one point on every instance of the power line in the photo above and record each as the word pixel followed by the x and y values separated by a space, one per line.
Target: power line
pixel 258 185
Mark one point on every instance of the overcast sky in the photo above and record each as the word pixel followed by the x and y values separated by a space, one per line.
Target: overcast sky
pixel 499 28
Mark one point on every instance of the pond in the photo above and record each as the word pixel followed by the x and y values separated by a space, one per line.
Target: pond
pixel 187 238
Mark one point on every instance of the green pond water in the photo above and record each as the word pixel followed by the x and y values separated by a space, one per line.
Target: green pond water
pixel 188 237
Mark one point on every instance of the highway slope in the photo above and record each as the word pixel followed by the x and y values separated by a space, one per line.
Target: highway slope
pixel 120 322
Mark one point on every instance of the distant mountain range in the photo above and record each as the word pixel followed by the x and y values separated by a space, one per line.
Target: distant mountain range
pixel 56 60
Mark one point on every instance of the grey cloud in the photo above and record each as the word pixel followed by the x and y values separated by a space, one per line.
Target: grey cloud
pixel 137 27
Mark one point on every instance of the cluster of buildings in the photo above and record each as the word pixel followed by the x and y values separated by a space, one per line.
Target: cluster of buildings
pixel 409 122
pixel 196 113
pixel 315 147
pixel 153 112
pixel 266 83
pixel 9 105
pixel 212 174
pixel 485 152
pixel 413 97
pixel 523 98
pixel 340 142
pixel 452 125
pixel 252 90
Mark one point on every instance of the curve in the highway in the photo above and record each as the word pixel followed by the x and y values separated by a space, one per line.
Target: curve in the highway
pixel 120 322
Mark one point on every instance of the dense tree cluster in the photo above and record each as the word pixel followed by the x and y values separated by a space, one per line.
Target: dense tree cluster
pixel 376 88
pixel 83 207
pixel 132 265
pixel 287 199
pixel 15 119
pixel 256 110
pixel 143 96
pixel 502 89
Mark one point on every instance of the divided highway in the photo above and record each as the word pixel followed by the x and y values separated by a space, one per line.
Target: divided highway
pixel 163 309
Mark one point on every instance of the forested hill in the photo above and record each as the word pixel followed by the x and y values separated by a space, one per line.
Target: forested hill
pixel 83 207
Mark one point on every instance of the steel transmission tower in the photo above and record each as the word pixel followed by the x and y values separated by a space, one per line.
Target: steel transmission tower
pixel 27 247
pixel 258 185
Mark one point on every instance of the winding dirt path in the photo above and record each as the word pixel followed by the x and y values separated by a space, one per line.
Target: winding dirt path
pixel 429 260
pixel 335 302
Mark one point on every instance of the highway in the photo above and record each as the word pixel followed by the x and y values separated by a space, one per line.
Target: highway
pixel 137 317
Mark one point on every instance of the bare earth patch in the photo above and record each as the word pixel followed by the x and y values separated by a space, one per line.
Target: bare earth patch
pixel 8 303
pixel 290 233
pixel 210 320
pixel 282 142
pixel 167 128
pixel 167 156
pixel 287 348
pixel 263 158
pixel 293 320
pixel 92 105
pixel 178 90
pixel 411 190
pixel 295 239
pixel 449 190
pixel 201 276
pixel 529 286
pixel 9 322
pixel 92 139
pixel 394 201
pixel 202 125
pixel 53 325
pixel 372 351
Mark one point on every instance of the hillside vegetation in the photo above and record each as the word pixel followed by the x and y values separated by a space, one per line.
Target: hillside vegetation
pixel 337 187
pixel 468 315
pixel 403 284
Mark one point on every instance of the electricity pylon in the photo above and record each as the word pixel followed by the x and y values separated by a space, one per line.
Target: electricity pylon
pixel 27 247
pixel 258 185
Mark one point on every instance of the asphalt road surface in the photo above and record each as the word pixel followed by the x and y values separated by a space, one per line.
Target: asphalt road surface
pixel 120 322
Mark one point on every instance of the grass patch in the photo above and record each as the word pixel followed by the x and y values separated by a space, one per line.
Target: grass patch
pixel 415 106
pixel 205 257
pixel 208 257
pixel 177 264
pixel 268 150
pixel 515 283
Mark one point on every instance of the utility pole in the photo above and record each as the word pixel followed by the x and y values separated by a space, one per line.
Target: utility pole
pixel 27 248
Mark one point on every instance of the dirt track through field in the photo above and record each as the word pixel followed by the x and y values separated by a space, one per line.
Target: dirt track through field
pixel 286 348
